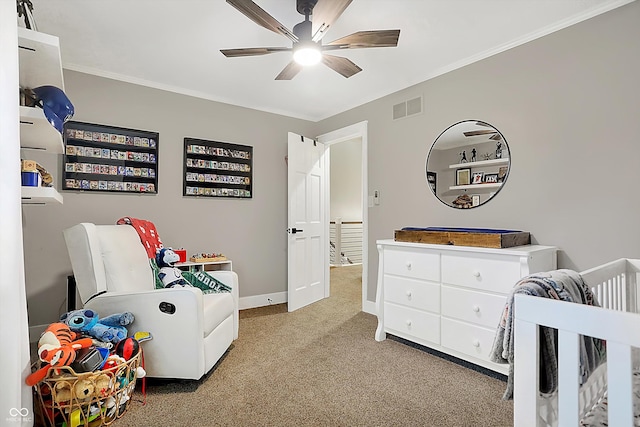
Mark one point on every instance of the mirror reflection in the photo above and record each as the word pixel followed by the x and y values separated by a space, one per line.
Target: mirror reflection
pixel 468 164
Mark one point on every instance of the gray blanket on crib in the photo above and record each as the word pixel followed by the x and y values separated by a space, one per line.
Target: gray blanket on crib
pixel 564 285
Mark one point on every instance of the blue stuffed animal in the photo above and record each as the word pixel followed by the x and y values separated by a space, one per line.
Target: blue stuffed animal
pixel 109 329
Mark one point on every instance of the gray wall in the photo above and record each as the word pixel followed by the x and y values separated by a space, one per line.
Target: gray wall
pixel 568 105
pixel 346 180
pixel 250 232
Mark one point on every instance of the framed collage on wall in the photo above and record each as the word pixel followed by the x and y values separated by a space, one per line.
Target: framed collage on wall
pixel 110 159
pixel 217 169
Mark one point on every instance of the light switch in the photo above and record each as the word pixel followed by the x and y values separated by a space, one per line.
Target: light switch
pixel 376 197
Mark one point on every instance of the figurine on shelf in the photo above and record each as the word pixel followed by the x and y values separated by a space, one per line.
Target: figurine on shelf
pixel 463 157
pixel 498 150
pixel 487 156
pixel 473 155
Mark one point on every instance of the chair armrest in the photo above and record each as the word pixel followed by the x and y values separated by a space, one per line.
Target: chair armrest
pixel 230 278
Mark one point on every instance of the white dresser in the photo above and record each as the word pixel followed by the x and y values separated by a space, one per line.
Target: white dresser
pixel 450 298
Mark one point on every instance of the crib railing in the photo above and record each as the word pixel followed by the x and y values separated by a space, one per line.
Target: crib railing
pixel 615 285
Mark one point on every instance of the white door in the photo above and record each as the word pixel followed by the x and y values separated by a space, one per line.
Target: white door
pixel 307 226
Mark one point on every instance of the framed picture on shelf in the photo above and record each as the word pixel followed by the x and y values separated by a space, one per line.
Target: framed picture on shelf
pixel 502 173
pixel 431 180
pixel 475 200
pixel 491 178
pixel 463 176
pixel 477 178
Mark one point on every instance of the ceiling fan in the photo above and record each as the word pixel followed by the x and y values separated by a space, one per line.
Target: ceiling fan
pixel 495 135
pixel 306 36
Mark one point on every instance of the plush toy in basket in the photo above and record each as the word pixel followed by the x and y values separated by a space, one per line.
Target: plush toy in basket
pixel 78 380
pixel 109 329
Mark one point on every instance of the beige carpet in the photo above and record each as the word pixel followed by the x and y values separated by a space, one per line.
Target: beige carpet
pixel 321 366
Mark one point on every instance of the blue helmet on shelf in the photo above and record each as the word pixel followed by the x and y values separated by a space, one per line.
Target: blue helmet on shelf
pixel 57 107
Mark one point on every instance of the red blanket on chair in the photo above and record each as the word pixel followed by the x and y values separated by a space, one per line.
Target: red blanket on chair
pixel 148 234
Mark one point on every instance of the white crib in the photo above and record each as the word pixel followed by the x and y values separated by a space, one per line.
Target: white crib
pixel 616 287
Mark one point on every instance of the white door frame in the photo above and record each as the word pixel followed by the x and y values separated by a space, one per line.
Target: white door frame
pixel 358 130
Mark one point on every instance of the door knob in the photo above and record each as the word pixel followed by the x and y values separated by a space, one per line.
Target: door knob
pixel 294 230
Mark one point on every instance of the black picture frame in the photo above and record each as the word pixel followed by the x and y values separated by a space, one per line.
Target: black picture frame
pixel 463 176
pixel 477 178
pixel 217 169
pixel 110 159
pixel 432 178
pixel 491 178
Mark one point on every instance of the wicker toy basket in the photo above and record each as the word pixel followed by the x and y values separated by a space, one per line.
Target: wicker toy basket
pixel 88 399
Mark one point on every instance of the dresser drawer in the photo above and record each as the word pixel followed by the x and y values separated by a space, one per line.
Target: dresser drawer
pixel 472 340
pixel 485 272
pixel 413 293
pixel 471 306
pixel 408 322
pixel 412 263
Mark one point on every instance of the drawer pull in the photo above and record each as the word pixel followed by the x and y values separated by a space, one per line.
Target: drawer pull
pixel 409 294
pixel 408 265
pixel 476 273
pixel 476 309
pixel 476 343
pixel 408 322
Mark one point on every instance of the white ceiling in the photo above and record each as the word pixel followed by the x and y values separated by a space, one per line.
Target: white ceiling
pixel 174 45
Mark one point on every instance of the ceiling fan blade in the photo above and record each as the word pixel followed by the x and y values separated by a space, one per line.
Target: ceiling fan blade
pixel 341 65
pixel 496 137
pixel 262 18
pixel 479 132
pixel 362 39
pixel 324 14
pixel 289 71
pixel 252 51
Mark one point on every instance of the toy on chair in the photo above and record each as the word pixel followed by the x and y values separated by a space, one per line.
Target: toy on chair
pixel 170 275
pixel 57 347
pixel 109 329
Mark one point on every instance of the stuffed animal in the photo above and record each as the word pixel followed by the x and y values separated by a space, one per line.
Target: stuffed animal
pixel 83 389
pixel 109 329
pixel 62 391
pixel 57 347
pixel 170 275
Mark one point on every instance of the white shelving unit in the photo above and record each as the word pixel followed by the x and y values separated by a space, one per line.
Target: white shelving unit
pixel 480 163
pixel 40 195
pixel 476 187
pixel 36 133
pixel 194 267
pixel 40 64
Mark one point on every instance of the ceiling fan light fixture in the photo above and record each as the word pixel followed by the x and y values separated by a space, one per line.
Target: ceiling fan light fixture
pixel 307 54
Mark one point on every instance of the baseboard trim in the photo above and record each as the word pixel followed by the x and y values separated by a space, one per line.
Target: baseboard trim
pixel 256 301
pixel 369 307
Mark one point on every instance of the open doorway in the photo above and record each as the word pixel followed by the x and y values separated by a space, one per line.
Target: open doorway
pixel 347 188
pixel 345 216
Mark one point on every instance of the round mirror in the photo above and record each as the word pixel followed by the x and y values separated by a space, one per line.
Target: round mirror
pixel 468 164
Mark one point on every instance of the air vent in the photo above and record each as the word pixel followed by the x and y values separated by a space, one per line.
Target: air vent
pixel 407 108
pixel 399 111
pixel 414 106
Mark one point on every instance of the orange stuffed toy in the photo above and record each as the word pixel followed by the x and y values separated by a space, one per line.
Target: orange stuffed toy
pixel 57 347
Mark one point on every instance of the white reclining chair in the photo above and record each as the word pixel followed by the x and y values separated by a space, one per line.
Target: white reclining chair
pixel 190 330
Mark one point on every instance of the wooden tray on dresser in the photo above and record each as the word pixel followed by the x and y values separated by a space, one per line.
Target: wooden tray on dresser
pixel 478 237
